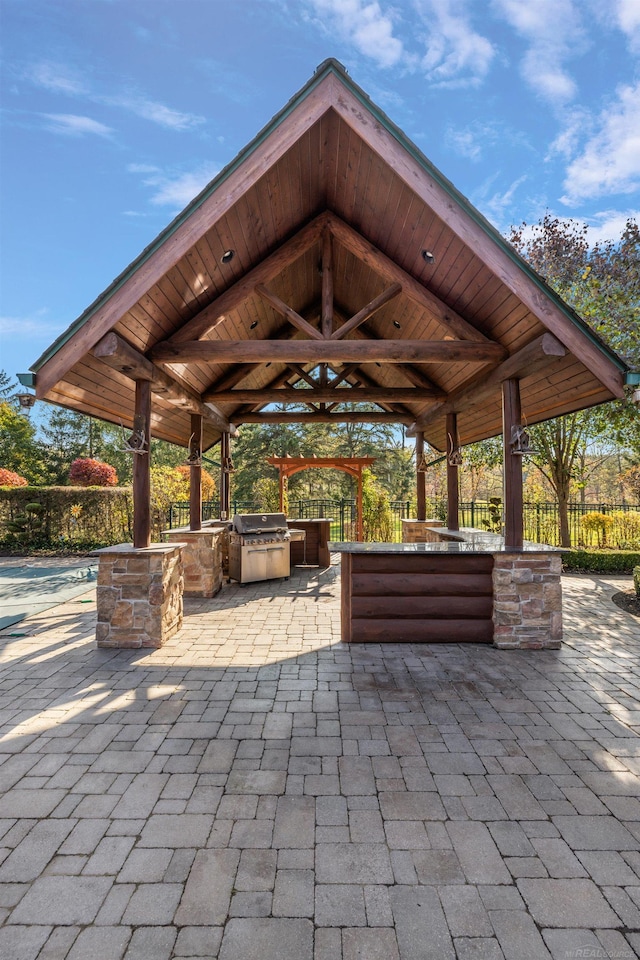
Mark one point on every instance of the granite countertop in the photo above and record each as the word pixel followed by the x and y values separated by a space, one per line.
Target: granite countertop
pixel 466 540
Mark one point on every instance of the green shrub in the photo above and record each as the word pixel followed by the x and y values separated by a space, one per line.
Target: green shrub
pixel 636 580
pixel 600 561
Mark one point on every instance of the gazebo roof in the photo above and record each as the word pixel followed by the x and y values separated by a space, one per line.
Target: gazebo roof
pixel 330 258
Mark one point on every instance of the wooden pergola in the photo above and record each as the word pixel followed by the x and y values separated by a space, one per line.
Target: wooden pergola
pixel 329 273
pixel 288 466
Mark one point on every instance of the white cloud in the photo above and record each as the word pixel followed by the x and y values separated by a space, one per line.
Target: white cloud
pixel 155 112
pixel 627 15
pixel 610 161
pixel 456 54
pixel 576 124
pixel 365 25
pixel 75 126
pixel 497 206
pixel 59 79
pixel 34 326
pixel 554 32
pixel 609 224
pixel 177 190
pixel 55 77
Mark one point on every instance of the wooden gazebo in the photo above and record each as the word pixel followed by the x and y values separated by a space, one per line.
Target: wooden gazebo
pixel 332 270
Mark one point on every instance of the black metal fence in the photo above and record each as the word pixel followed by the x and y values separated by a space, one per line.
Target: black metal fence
pixel 620 528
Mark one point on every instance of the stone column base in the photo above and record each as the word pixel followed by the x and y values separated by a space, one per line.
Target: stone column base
pixel 201 560
pixel 139 595
pixel 527 601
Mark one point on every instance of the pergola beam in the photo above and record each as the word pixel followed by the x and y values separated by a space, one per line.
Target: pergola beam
pixel 291 315
pixel 367 311
pixel 328 351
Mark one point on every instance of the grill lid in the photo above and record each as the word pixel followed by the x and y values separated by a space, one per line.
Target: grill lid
pixel 248 523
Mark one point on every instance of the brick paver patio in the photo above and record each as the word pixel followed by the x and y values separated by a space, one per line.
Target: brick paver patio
pixel 257 791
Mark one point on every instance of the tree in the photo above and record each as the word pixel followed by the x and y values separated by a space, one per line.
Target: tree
pixel 7 390
pixel 19 451
pixel 602 283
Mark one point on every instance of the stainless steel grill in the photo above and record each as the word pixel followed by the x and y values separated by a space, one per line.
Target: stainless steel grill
pixel 259 547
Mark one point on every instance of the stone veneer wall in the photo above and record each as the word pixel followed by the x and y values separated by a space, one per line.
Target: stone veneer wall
pixel 201 559
pixel 527 601
pixel 139 595
pixel 419 531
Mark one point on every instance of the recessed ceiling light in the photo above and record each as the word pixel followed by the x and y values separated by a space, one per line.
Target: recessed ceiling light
pixel 428 256
pixel 227 256
pixel 397 324
pixel 253 325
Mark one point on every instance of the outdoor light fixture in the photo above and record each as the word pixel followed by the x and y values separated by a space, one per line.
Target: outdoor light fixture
pixel 253 325
pixel 397 325
pixel 26 400
pixel 227 256
pixel 428 256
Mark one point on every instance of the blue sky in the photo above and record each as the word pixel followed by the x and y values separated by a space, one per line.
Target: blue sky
pixel 115 113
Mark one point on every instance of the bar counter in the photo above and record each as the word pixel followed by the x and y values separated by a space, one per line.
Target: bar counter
pixel 464 586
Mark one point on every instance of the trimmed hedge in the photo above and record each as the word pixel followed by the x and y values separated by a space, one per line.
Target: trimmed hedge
pixel 72 519
pixel 600 561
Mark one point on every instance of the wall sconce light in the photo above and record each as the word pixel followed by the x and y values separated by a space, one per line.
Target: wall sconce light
pixel 26 400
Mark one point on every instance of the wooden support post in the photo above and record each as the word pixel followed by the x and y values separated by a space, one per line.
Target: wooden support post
pixel 195 473
pixel 142 467
pixel 225 457
pixel 360 532
pixel 452 472
pixel 512 417
pixel 421 479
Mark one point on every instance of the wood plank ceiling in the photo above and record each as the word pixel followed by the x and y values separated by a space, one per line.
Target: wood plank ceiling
pixel 331 265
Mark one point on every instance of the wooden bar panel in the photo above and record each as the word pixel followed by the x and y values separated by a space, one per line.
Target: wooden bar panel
pixel 421 584
pixel 421 631
pixel 422 563
pixel 410 608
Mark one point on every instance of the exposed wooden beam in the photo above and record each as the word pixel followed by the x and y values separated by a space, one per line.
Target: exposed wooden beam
pixel 531 358
pixel 504 263
pixel 411 288
pixel 302 374
pixel 326 395
pixel 292 316
pixel 328 351
pixel 266 270
pixel 367 311
pixel 118 354
pixel 513 495
pixel 141 466
pixel 327 285
pixel 372 416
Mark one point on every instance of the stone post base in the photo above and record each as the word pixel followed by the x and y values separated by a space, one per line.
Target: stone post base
pixel 419 531
pixel 139 595
pixel 201 559
pixel 527 601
